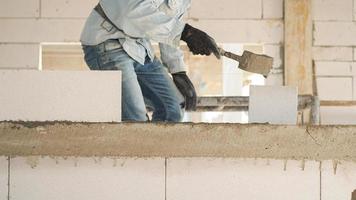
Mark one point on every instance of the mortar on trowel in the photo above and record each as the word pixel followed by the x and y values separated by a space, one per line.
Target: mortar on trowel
pixel 251 62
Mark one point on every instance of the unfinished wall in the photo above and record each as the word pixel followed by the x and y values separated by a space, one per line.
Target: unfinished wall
pixel 3 177
pixel 60 96
pixel 334 57
pixel 26 23
pixel 174 179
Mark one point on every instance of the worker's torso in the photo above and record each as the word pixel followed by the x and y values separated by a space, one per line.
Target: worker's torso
pixel 97 30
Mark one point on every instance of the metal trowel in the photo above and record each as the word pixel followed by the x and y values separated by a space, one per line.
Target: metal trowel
pixel 251 62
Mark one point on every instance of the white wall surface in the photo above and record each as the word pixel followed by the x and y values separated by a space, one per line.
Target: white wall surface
pixel 272 9
pixel 331 10
pixel 334 56
pixel 66 9
pixel 20 56
pixel 19 8
pixel 338 184
pixel 279 105
pixel 3 178
pixel 228 179
pixel 87 178
pixel 344 115
pixel 79 96
pixel 177 178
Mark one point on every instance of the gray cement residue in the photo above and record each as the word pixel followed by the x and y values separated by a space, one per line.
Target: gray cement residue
pixel 178 140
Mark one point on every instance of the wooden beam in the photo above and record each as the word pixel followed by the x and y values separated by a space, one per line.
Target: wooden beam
pixel 338 103
pixel 298 45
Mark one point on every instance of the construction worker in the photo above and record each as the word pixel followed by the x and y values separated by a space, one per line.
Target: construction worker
pixel 117 36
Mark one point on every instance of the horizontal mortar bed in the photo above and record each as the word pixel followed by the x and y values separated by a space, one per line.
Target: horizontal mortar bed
pixel 178 140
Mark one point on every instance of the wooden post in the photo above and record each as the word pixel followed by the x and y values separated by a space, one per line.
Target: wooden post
pixel 298 45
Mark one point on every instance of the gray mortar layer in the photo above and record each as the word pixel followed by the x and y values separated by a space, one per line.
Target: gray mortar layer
pixel 178 140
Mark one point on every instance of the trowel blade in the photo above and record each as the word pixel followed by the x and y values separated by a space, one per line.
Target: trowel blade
pixel 255 63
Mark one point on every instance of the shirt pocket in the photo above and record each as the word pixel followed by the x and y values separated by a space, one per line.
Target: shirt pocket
pixel 172 8
pixel 174 4
pixel 157 3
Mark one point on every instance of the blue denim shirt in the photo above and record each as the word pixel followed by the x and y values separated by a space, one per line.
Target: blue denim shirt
pixel 142 21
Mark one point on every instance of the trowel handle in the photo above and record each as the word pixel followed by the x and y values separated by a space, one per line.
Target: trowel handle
pixel 229 55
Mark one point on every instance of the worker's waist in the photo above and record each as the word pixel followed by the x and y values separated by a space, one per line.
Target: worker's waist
pixel 108 45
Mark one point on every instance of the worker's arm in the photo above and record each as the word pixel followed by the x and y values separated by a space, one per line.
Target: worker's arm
pixel 173 59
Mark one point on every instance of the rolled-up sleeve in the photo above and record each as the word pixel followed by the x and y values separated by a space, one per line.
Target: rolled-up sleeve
pixel 172 58
pixel 143 19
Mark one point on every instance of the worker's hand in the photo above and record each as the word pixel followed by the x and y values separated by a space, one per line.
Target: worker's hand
pixel 186 87
pixel 199 42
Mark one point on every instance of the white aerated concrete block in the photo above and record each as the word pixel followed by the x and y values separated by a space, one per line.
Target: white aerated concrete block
pixel 79 96
pixel 333 53
pixel 275 78
pixel 67 9
pixel 273 104
pixel 40 30
pixel 331 10
pixel 334 33
pixel 227 9
pixel 354 10
pixel 87 178
pixel 276 52
pixel 3 178
pixel 229 179
pixel 354 82
pixel 19 8
pixel 333 68
pixel 243 31
pixel 276 75
pixel 338 180
pixel 20 56
pixel 335 89
pixel 338 115
pixel 273 9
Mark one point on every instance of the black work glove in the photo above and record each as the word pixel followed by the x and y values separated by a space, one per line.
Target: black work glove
pixel 186 87
pixel 199 42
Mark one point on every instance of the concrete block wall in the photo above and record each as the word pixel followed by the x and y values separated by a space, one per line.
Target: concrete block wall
pixel 338 180
pixel 27 23
pixel 175 178
pixel 334 55
pixel 189 179
pixel 274 109
pixel 87 178
pixel 3 178
pixel 29 95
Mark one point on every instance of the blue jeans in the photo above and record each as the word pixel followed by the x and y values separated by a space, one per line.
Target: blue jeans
pixel 142 85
